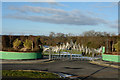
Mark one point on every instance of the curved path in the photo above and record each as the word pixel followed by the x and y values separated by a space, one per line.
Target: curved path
pixel 81 69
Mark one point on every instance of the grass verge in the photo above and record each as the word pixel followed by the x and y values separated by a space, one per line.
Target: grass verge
pixel 28 74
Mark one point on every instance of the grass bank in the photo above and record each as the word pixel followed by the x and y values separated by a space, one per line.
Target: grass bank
pixel 28 74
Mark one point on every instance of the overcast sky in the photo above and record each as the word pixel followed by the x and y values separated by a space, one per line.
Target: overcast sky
pixel 65 17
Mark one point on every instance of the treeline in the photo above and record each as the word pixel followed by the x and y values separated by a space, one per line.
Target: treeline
pixel 21 43
pixel 91 39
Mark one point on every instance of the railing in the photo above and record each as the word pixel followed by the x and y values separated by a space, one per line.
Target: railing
pixel 71 57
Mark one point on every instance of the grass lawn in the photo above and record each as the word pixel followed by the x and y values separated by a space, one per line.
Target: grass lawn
pixel 73 52
pixel 28 74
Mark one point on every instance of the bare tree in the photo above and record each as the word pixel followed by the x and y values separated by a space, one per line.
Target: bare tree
pixel 52 34
pixel 60 35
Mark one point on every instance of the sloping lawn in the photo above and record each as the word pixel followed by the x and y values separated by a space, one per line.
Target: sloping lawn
pixel 28 74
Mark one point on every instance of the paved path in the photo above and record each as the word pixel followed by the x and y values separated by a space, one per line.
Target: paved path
pixel 83 69
pixel 106 63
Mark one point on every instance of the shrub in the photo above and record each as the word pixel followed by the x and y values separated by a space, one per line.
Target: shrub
pixel 117 46
pixel 27 44
pixel 16 44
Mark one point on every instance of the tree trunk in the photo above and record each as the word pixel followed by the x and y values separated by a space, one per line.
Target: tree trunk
pixel 32 46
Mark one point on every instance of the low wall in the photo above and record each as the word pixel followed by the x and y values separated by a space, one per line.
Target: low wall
pixel 113 58
pixel 20 55
pixel 110 57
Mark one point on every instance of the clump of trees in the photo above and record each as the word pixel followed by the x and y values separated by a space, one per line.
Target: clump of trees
pixel 94 33
pixel 117 46
pixel 21 43
pixel 92 39
pixel 28 44
pixel 16 44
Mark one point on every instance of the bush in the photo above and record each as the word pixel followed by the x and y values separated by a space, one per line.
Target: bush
pixel 117 46
pixel 27 44
pixel 16 44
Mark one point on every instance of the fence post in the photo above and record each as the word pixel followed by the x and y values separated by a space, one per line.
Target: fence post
pixel 71 54
pixel 50 54
pixel 103 50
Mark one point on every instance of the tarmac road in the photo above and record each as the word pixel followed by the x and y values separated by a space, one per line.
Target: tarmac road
pixel 82 69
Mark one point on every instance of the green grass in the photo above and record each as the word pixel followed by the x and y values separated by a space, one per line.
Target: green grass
pixel 28 74
pixel 46 54
pixel 73 52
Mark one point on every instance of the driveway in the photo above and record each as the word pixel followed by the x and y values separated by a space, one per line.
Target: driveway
pixel 82 69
